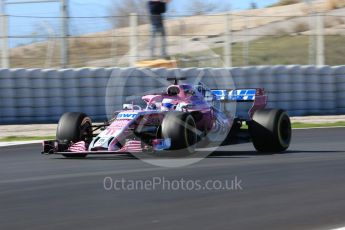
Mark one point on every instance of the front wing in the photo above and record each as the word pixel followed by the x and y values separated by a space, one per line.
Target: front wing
pixel 131 146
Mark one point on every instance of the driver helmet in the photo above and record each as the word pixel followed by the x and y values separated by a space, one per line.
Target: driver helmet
pixel 167 104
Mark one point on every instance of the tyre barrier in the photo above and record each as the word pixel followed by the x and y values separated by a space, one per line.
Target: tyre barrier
pixel 42 95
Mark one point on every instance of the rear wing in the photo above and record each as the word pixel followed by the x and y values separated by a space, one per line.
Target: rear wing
pixel 238 95
pixel 255 98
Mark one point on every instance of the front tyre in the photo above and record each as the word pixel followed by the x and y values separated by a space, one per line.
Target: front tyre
pixel 181 129
pixel 270 130
pixel 74 127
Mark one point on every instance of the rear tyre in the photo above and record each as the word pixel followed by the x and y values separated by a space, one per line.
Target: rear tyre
pixel 270 130
pixel 74 127
pixel 181 129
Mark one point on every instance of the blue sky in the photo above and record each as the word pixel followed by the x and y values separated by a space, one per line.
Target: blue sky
pixel 82 8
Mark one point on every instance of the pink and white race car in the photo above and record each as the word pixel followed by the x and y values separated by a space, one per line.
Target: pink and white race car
pixel 184 118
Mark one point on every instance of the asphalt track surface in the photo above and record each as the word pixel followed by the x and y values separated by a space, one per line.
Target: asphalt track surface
pixel 301 189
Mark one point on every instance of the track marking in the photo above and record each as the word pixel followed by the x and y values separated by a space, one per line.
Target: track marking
pixel 17 143
pixel 332 127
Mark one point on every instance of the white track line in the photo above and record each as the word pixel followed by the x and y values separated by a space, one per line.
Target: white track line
pixel 331 127
pixel 12 143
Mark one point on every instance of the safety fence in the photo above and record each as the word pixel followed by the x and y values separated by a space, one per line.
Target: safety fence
pixel 42 95
pixel 295 34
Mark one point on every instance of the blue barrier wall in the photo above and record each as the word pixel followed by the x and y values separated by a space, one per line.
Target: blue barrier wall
pixel 42 95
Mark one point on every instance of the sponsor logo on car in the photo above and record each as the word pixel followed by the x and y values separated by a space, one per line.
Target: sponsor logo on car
pixel 126 116
pixel 100 141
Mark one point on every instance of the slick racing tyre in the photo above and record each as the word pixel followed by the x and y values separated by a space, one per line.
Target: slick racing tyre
pixel 74 127
pixel 182 131
pixel 270 130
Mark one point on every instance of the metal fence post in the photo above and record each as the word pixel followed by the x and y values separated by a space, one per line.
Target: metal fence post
pixel 182 29
pixel 5 63
pixel 246 43
pixel 311 49
pixel 133 39
pixel 113 47
pixel 228 41
pixel 311 40
pixel 64 33
pixel 320 51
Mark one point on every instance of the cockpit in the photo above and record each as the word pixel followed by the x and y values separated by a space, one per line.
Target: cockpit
pixel 173 90
pixel 176 97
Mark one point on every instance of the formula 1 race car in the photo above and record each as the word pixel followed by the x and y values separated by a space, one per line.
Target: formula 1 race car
pixel 184 118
